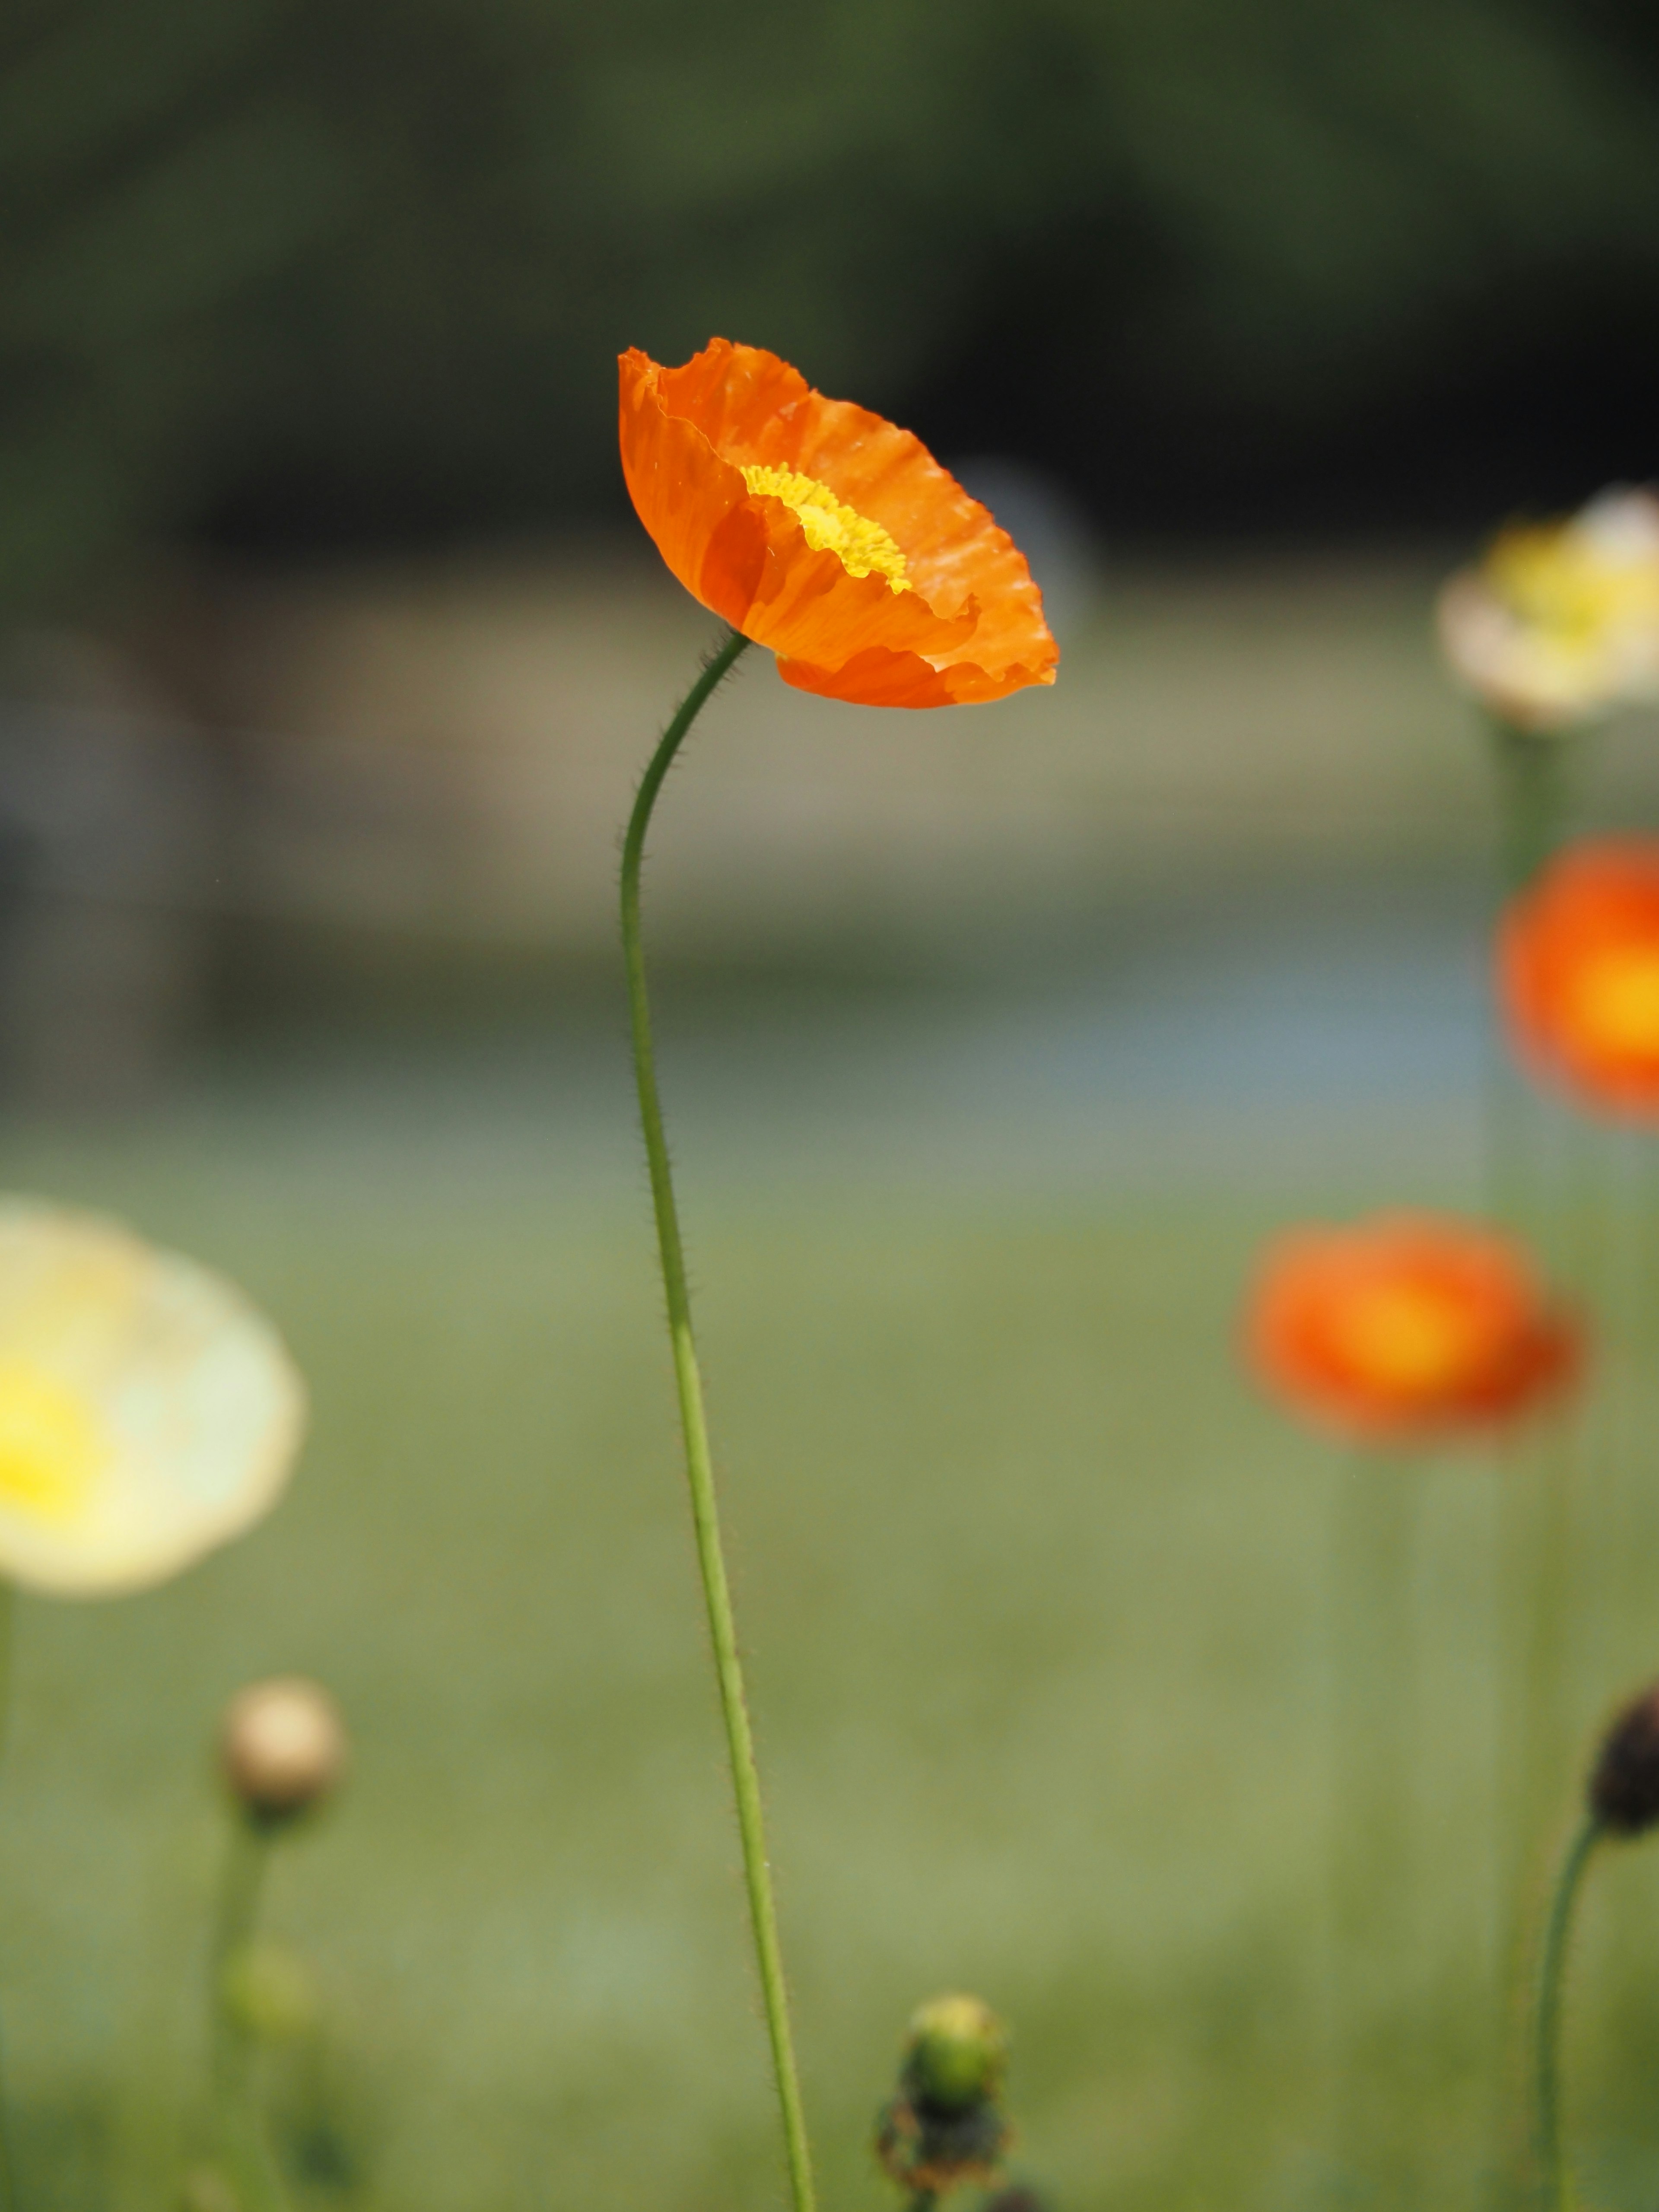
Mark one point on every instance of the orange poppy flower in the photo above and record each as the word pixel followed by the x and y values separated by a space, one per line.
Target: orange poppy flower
pixel 1579 973
pixel 1405 1327
pixel 828 534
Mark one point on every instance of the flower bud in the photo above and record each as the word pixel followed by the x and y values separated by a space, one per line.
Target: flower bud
pixel 1624 1785
pixel 955 2054
pixel 283 1746
pixel 269 1992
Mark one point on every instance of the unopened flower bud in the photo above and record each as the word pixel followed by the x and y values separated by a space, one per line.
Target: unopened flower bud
pixel 283 1745
pixel 955 2054
pixel 270 1993
pixel 1624 1785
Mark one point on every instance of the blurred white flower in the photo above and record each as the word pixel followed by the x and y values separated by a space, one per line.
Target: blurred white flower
pixel 148 1413
pixel 1559 623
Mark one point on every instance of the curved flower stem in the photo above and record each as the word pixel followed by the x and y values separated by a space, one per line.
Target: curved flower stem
pixel 1555 2188
pixel 247 1855
pixel 699 1465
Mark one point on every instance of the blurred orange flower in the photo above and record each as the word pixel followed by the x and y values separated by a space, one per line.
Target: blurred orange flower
pixel 1407 1327
pixel 1579 973
pixel 828 534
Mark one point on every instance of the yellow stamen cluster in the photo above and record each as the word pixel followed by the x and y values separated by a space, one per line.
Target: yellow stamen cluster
pixel 862 547
pixel 1616 999
pixel 52 1443
pixel 1562 583
pixel 1405 1335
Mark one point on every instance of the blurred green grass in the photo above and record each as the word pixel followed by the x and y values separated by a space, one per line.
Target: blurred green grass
pixel 1033 1592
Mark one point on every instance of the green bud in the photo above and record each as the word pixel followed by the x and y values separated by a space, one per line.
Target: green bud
pixel 954 2055
pixel 269 1993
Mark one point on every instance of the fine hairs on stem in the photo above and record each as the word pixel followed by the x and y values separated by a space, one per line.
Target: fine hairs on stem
pixel 699 1463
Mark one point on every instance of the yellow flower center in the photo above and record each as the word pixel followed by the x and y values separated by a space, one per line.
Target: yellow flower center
pixel 52 1444
pixel 1561 583
pixel 862 547
pixel 1615 999
pixel 1406 1337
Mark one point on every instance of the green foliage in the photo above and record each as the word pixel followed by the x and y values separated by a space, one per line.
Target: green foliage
pixel 365 264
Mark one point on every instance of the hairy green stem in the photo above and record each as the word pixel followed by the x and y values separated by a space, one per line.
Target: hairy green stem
pixel 1555 2193
pixel 247 1855
pixel 699 1464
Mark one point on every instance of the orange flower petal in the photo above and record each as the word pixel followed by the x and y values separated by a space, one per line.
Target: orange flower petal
pixel 1578 974
pixel 1407 1327
pixel 965 622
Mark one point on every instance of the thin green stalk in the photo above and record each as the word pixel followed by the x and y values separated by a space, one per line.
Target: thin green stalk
pixel 247 1854
pixel 1534 796
pixel 1555 2188
pixel 1374 1664
pixel 1531 772
pixel 699 1464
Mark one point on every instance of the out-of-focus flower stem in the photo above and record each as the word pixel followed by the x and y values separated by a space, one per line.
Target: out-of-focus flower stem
pixel 1533 789
pixel 1374 1712
pixel 1537 1532
pixel 1530 768
pixel 699 1464
pixel 1555 2187
pixel 242 2144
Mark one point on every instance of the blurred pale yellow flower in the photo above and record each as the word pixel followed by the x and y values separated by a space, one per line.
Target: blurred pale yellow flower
pixel 148 1413
pixel 1559 623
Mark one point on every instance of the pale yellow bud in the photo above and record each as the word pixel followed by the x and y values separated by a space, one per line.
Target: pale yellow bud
pixel 283 1745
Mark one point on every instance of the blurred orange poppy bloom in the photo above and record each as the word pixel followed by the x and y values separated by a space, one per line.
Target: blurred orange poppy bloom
pixel 1407 1328
pixel 1579 973
pixel 828 534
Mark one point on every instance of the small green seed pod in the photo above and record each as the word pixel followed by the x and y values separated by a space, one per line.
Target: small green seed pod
pixel 955 2054
pixel 270 1993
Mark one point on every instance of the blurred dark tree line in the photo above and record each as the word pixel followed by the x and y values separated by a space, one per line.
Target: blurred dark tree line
pixel 310 272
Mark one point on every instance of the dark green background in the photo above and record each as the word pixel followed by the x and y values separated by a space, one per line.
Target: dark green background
pixel 276 272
